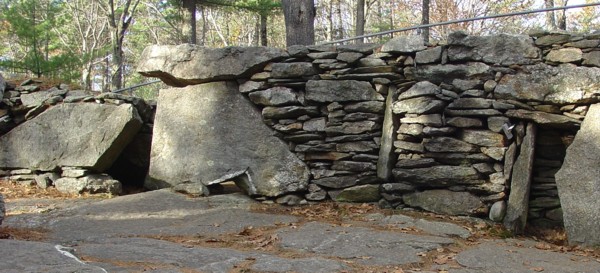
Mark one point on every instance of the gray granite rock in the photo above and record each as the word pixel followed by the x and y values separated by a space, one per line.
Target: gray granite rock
pixel 438 73
pixel 92 184
pixel 502 49
pixel 341 90
pixel 545 119
pixel 420 89
pixel 578 183
pixel 87 135
pixel 564 55
pixel 292 70
pixel 431 55
pixel 438 175
pixel 497 211
pixel 563 84
pixel 445 202
pixel 482 138
pixel 518 200
pixel 223 135
pixel 387 158
pixel 187 64
pixel 592 58
pixel 448 145
pixel 404 44
pixel 276 96
pixel 360 194
pixel 419 106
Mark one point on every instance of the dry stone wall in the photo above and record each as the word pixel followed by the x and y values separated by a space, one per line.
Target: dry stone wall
pixel 473 126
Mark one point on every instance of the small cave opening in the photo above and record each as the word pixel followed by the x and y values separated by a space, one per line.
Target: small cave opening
pixel 544 202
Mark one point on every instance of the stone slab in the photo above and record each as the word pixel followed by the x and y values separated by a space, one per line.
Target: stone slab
pixel 518 199
pixel 186 64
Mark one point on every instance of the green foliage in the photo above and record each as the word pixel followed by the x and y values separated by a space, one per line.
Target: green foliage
pixel 36 49
pixel 258 6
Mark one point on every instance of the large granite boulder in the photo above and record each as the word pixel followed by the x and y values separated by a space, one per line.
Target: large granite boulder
pixel 578 183
pixel 502 49
pixel 86 135
pixel 187 64
pixel 563 84
pixel 210 133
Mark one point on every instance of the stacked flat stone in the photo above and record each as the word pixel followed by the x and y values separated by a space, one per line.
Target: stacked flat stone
pixel 330 114
pixel 454 108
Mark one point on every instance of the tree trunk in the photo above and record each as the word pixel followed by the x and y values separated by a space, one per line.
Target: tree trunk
pixel 550 19
pixel 425 21
pixel 119 24
pixel 189 16
pixel 299 22
pixel 263 29
pixel 360 20
pixel 562 17
pixel 339 32
pixel 203 13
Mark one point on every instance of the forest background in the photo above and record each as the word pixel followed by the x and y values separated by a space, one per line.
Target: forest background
pixel 95 44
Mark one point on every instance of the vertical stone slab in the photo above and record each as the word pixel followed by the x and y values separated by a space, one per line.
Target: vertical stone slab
pixel 210 133
pixel 387 160
pixel 578 183
pixel 518 200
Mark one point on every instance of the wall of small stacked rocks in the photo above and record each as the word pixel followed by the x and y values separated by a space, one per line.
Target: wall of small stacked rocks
pixel 469 127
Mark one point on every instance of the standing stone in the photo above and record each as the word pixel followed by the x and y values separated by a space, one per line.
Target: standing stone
pixel 578 183
pixel 86 135
pixel 210 132
pixel 518 200
pixel 2 209
pixel 386 160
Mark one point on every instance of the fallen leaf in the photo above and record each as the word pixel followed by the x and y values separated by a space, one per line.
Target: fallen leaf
pixel 537 269
pixel 442 259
